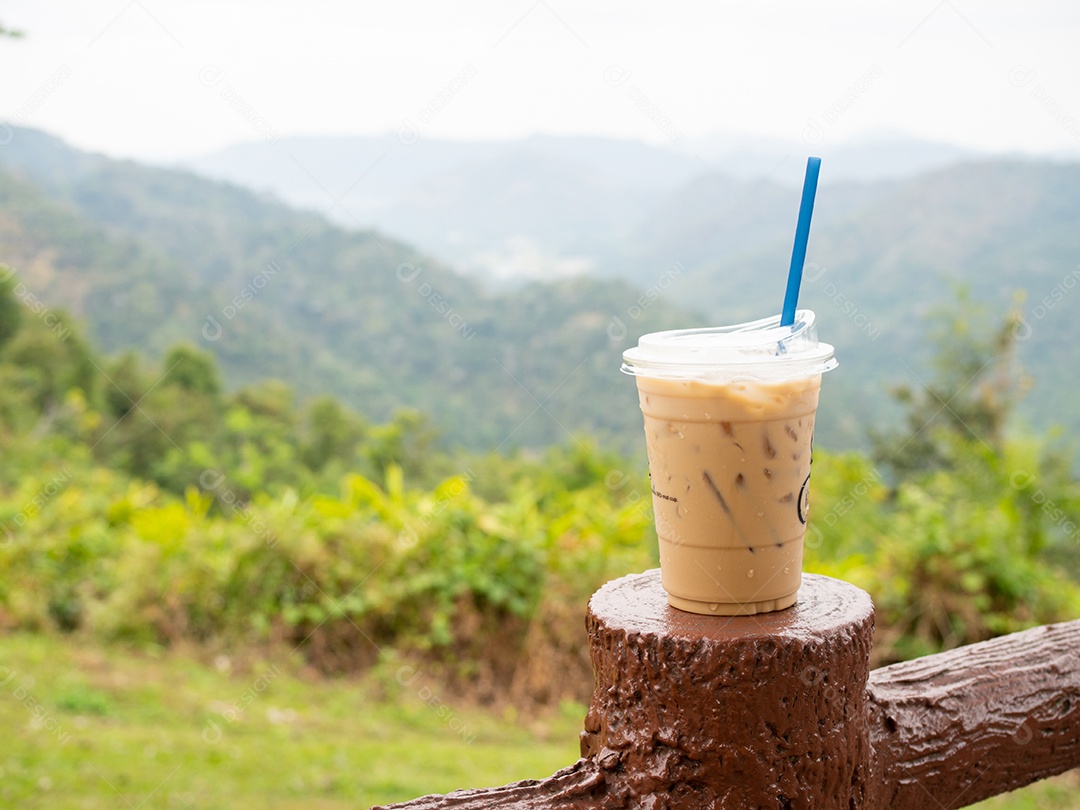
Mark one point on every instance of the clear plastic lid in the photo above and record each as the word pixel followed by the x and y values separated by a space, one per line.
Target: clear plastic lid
pixel 757 350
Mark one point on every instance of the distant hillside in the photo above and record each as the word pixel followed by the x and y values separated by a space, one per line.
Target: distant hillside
pixel 881 266
pixel 122 285
pixel 718 218
pixel 545 205
pixel 510 211
pixel 147 257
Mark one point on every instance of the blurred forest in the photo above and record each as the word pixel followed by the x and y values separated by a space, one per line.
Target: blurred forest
pixel 236 430
pixel 146 504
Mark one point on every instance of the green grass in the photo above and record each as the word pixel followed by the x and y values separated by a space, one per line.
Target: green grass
pixel 86 726
pixel 1059 793
pixel 93 727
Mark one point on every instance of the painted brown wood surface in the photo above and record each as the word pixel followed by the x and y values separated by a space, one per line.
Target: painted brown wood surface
pixel 741 711
pixel 781 711
pixel 955 728
pixel 579 786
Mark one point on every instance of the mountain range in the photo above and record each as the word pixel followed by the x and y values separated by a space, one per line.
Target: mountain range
pixel 543 206
pixel 149 256
pixel 899 224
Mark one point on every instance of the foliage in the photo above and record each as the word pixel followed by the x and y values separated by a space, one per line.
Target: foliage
pixel 960 531
pixel 149 505
pixel 10 310
pixel 439 572
pixel 972 393
pixel 153 259
pixel 949 557
pixel 146 501
pixel 150 258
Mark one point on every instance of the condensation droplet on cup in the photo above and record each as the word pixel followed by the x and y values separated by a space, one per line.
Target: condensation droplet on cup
pixel 713 606
pixel 749 573
pixel 787 569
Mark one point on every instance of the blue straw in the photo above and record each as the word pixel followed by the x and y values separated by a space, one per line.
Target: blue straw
pixel 802 236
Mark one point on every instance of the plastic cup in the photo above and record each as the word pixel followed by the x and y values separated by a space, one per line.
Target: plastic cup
pixel 729 427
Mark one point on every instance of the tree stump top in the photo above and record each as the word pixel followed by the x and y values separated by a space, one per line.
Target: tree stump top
pixel 638 604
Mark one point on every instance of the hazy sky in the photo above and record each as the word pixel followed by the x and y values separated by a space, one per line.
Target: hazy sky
pixel 160 80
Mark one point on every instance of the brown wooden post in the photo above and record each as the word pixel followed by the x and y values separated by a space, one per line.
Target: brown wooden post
pixel 698 712
pixel 780 711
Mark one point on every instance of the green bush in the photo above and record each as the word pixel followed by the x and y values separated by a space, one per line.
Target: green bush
pixel 167 511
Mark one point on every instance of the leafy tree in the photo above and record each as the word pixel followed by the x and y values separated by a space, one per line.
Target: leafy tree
pixel 10 311
pixel 332 433
pixel 125 386
pixel 406 441
pixel 271 400
pixel 192 370
pixel 969 534
pixel 53 358
pixel 971 395
pixel 259 447
pixel 167 429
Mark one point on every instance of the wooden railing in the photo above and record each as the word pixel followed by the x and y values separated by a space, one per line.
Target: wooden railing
pixel 782 711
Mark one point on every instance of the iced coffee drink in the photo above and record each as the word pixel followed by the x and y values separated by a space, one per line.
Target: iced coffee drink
pixel 729 427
